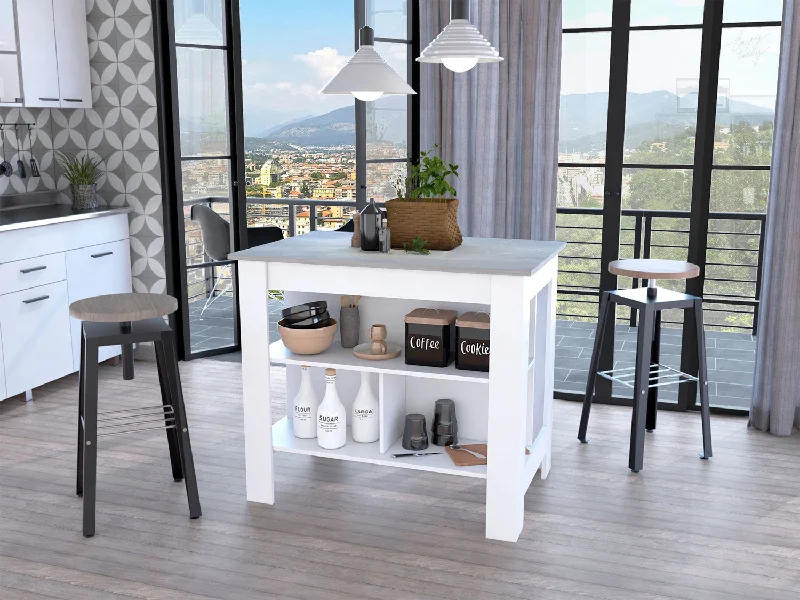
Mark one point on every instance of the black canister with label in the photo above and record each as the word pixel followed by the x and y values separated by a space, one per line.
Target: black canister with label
pixel 472 341
pixel 430 337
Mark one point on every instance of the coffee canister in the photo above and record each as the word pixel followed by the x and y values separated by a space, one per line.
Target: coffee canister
pixel 472 341
pixel 430 337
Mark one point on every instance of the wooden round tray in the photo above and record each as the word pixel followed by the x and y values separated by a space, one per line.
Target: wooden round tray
pixel 365 351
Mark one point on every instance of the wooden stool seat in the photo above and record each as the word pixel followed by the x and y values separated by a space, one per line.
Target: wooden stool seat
pixel 123 308
pixel 653 268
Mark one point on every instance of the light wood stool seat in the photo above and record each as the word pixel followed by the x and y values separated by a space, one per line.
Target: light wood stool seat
pixel 654 268
pixel 122 308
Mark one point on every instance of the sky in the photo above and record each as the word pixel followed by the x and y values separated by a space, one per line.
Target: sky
pixel 291 49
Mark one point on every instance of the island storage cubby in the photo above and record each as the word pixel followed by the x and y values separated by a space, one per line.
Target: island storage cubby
pixel 401 389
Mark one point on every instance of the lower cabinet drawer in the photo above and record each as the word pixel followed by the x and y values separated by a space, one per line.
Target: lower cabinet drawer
pixel 95 271
pixel 35 336
pixel 30 272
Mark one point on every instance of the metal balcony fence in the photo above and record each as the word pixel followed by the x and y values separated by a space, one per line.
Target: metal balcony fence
pixel 733 269
pixel 732 288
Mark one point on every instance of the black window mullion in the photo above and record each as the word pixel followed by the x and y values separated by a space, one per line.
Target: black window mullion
pixel 711 47
pixel 615 151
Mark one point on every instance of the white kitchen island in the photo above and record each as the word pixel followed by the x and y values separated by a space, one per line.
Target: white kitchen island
pixel 509 408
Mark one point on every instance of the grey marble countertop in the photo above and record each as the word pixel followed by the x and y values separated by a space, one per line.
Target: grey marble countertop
pixel 49 214
pixel 475 255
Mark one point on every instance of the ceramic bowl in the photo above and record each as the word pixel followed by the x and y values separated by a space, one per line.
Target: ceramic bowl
pixel 303 311
pixel 308 341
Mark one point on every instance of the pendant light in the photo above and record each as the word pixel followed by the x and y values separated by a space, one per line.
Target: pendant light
pixel 460 46
pixel 366 75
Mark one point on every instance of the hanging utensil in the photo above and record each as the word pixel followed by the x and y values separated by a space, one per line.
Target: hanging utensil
pixel 5 166
pixel 34 166
pixel 21 149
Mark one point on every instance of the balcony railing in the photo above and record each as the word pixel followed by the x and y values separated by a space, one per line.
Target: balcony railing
pixel 733 268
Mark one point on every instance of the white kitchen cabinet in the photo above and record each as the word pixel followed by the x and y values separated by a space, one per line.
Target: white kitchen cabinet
pixel 72 52
pixel 36 336
pixel 94 271
pixel 54 53
pixel 37 46
pixel 46 264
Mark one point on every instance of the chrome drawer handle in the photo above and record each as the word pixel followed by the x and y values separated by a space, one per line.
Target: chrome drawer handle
pixel 102 254
pixel 49 99
pixel 32 269
pixel 39 299
pixel 73 100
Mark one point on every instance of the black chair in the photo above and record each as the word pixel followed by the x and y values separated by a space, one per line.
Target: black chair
pixel 216 233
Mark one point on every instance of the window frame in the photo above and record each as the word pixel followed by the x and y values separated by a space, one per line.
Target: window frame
pixel 413 106
pixel 702 167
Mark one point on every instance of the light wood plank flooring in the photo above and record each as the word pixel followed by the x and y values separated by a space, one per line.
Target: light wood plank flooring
pixel 682 528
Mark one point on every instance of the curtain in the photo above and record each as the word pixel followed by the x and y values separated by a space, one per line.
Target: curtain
pixel 499 122
pixel 776 388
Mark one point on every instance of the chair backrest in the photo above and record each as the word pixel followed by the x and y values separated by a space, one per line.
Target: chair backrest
pixel 215 230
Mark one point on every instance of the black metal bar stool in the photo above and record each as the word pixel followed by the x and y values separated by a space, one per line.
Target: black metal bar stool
pixel 648 374
pixel 129 319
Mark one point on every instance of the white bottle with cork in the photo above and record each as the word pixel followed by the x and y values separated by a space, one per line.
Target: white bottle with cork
pixel 331 416
pixel 365 413
pixel 304 407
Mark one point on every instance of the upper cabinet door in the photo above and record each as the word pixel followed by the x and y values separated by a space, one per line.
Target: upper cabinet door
pixel 37 46
pixel 72 49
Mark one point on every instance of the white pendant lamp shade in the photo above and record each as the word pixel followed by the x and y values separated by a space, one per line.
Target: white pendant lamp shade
pixel 366 75
pixel 460 46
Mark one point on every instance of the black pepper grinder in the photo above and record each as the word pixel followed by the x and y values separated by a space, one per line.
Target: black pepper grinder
pixel 370 226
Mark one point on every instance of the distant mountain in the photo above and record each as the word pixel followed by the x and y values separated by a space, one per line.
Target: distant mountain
pixel 649 116
pixel 269 131
pixel 386 121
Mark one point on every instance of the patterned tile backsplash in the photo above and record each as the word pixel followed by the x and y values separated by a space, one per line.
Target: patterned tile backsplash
pixel 120 129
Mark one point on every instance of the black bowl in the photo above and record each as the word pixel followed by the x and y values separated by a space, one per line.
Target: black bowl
pixel 317 322
pixel 312 308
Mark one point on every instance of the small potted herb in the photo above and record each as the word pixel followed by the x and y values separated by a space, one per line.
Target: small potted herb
pixel 83 174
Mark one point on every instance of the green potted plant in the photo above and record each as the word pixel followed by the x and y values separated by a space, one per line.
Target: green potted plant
pixel 425 207
pixel 83 174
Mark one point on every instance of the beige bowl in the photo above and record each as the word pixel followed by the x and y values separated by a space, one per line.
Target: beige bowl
pixel 308 341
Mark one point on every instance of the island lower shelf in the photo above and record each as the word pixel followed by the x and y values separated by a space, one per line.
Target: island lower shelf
pixel 337 357
pixel 283 440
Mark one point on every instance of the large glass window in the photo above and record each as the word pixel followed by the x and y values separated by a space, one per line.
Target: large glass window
pixel 387 121
pixel 656 172
pixel 207 178
pixel 299 144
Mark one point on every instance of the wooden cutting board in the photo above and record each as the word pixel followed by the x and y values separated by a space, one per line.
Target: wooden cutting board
pixel 465 459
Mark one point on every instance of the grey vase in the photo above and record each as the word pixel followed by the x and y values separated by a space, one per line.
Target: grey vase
pixel 349 326
pixel 84 196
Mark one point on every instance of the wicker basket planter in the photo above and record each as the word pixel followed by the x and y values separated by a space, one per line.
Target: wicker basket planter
pixel 432 219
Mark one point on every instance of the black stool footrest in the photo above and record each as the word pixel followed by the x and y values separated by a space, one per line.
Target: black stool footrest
pixel 132 420
pixel 660 375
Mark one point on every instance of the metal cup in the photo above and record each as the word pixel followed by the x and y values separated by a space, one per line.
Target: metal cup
pixel 445 425
pixel 415 434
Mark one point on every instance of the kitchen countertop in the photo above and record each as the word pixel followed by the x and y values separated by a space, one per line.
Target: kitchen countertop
pixel 50 214
pixel 475 255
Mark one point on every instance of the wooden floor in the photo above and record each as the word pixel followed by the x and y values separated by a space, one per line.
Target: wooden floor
pixel 682 528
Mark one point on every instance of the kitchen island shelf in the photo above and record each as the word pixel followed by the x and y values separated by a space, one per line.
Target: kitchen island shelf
pixel 337 357
pixel 283 440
